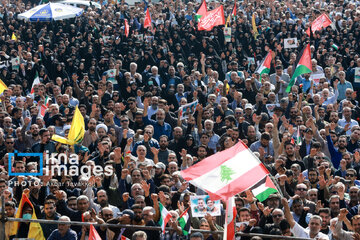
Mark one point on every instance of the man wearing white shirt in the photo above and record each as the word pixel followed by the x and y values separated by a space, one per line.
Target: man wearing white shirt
pixel 347 120
pixel 313 230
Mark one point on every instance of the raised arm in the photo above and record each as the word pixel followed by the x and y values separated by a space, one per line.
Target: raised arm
pixel 288 215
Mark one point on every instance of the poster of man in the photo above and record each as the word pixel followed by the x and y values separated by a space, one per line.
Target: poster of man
pixel 202 204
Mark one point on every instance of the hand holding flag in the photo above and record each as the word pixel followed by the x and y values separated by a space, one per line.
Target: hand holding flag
pixel 77 130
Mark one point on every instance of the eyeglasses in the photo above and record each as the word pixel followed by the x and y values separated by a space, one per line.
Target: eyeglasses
pixel 9 142
pixel 349 175
pixel 124 120
pixel 115 95
pixel 301 189
pixel 148 132
pixel 277 216
pixel 335 203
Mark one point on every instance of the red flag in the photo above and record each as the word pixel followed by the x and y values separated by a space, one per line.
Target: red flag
pixel 127 28
pixel 93 235
pixel 211 19
pixel 229 231
pixel 42 110
pixel 321 22
pixel 147 21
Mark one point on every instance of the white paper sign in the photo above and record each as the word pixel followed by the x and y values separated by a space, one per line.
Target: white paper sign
pixel 290 43
pixel 316 77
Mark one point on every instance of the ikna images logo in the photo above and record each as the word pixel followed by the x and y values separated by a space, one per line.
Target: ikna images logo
pixel 58 164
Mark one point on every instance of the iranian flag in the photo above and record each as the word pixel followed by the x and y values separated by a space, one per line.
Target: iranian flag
pixel 265 65
pixel 302 65
pixel 226 173
pixel 321 22
pixel 211 19
pixel 35 82
pixel 229 231
pixel 264 188
pixel 201 11
pixel 164 217
pixel 147 21
pixel 185 222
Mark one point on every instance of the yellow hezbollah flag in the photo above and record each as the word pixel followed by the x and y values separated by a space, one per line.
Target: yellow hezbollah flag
pixel 13 37
pixel 35 230
pixel 77 130
pixel 3 86
pixel 256 33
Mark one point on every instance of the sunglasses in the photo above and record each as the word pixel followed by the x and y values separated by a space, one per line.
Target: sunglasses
pixel 301 189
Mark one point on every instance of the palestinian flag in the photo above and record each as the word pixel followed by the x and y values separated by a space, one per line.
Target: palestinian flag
pixel 201 11
pixel 263 189
pixel 302 65
pixel 298 137
pixel 185 223
pixel 233 13
pixel 265 65
pixel 336 47
pixel 164 217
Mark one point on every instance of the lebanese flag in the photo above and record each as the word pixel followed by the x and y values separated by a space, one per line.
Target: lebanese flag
pixel 263 189
pixel 126 28
pixel 211 19
pixel 229 231
pixel 302 65
pixel 35 82
pixel 164 217
pixel 201 11
pixel 226 173
pixel 147 21
pixel 321 22
pixel 265 65
pixel 93 235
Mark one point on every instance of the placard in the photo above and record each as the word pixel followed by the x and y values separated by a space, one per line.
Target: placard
pixel 227 34
pixel 187 109
pixel 316 77
pixel 357 75
pixel 202 204
pixel 290 43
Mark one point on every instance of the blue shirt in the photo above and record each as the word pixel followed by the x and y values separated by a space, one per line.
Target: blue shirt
pixel 70 235
pixel 159 130
pixel 342 89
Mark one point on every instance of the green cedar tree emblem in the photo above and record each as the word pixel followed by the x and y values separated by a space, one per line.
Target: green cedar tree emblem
pixel 226 173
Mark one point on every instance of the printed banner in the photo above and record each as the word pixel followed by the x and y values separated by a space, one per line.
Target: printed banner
pixel 202 204
pixel 187 109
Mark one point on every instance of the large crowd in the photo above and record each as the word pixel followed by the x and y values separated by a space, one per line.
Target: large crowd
pixel 130 90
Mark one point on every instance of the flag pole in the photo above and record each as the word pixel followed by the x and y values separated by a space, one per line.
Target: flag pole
pixel 276 184
pixel 269 174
